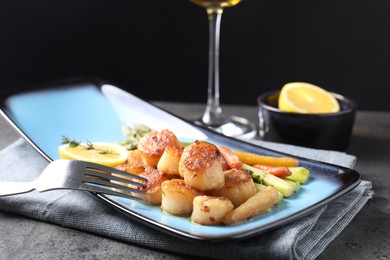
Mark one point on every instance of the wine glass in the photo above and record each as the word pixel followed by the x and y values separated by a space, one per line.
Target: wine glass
pixel 213 116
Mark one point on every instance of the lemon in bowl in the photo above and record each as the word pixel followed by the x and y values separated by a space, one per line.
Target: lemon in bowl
pixel 307 115
pixel 302 97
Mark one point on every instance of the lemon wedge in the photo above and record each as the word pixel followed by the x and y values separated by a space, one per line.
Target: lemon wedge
pixel 301 97
pixel 109 154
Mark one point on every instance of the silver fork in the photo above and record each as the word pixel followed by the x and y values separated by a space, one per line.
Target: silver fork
pixel 80 175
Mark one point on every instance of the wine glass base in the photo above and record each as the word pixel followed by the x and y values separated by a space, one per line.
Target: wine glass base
pixel 233 126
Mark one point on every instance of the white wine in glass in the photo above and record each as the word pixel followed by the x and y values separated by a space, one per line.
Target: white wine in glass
pixel 213 116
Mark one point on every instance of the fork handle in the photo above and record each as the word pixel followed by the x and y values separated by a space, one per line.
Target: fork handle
pixel 12 188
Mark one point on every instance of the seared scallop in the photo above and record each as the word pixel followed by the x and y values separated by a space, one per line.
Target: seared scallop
pixel 177 197
pixel 210 210
pixel 134 163
pixel 153 192
pixel 153 144
pixel 169 161
pixel 201 166
pixel 239 186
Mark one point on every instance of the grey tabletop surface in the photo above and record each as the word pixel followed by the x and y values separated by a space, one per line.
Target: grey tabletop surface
pixel 366 237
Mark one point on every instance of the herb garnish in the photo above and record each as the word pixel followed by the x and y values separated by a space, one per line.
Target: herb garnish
pixel 88 145
pixel 133 135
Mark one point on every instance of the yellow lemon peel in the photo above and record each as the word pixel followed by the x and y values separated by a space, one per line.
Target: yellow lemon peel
pixel 109 154
pixel 301 97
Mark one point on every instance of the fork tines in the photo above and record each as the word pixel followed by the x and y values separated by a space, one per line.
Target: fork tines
pixel 102 179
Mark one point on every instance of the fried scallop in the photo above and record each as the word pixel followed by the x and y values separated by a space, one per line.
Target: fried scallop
pixel 177 197
pixel 152 145
pixel 169 161
pixel 201 166
pixel 210 210
pixel 238 187
pixel 134 163
pixel 153 192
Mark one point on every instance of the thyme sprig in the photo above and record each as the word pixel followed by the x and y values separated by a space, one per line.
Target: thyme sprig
pixel 87 145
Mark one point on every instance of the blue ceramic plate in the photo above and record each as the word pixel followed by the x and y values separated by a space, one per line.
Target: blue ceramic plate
pixel 94 110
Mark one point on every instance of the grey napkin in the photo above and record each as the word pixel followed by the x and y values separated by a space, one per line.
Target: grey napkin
pixel 305 238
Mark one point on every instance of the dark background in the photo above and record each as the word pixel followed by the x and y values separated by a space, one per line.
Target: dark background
pixel 158 49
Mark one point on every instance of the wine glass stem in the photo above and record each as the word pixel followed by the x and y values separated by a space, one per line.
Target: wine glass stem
pixel 213 115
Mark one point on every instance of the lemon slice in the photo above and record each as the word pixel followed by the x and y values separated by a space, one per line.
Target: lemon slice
pixel 301 97
pixel 109 154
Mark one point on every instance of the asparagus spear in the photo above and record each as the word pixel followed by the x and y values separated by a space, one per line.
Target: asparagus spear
pixel 295 184
pixel 267 179
pixel 299 174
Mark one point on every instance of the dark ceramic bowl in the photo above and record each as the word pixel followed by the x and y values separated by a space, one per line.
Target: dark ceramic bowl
pixel 330 131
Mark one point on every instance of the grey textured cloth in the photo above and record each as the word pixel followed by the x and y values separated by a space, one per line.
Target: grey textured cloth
pixel 305 238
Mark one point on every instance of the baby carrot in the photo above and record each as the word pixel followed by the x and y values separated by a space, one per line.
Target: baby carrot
pixel 252 159
pixel 230 157
pixel 279 171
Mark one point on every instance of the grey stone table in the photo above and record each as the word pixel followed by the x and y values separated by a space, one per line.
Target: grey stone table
pixel 366 237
